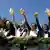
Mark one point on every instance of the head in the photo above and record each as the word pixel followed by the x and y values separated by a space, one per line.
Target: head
pixel 45 27
pixel 33 26
pixel 7 22
pixel 10 26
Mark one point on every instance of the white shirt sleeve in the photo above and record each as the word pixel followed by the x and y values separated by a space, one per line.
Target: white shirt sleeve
pixel 17 33
pixel 33 34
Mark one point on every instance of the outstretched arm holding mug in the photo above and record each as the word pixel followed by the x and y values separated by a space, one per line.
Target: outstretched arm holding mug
pixel 47 11
pixel 22 12
pixel 39 27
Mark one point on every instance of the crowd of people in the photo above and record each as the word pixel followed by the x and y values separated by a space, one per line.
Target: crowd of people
pixel 10 30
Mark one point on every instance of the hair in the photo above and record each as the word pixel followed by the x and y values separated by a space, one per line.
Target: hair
pixel 47 27
pixel 34 25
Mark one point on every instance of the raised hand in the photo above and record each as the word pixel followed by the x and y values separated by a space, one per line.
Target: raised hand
pixel 47 11
pixel 36 14
pixel 11 11
pixel 22 11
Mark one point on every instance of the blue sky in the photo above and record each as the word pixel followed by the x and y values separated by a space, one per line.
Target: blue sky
pixel 29 6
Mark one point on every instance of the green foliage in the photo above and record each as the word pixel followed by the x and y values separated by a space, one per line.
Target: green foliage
pixel 31 42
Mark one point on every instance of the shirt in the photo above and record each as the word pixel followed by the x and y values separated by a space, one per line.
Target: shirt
pixel 33 33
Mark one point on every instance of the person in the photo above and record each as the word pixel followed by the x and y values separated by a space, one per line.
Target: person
pixel 3 40
pixel 10 27
pixel 24 28
pixel 32 29
pixel 32 32
pixel 9 31
pixel 48 24
pixel 42 31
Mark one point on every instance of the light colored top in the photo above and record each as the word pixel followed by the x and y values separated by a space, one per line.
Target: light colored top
pixel 33 33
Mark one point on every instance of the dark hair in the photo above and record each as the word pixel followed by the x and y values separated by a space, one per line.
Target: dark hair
pixel 18 26
pixel 34 25
pixel 47 27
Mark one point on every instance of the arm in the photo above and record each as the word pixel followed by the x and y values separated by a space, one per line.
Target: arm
pixel 22 12
pixel 47 11
pixel 25 17
pixel 49 21
pixel 37 21
pixel 26 22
